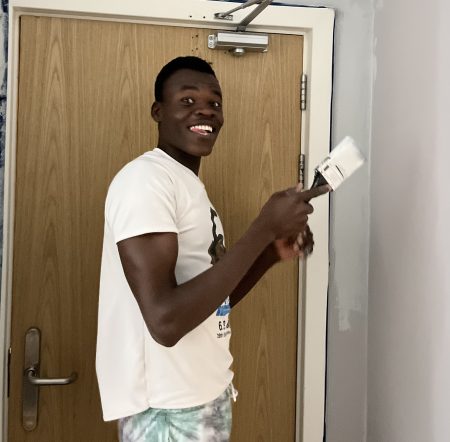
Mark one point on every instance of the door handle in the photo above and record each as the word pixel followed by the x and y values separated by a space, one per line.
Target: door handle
pixel 32 380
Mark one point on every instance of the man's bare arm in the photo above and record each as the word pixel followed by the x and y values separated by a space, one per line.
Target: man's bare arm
pixel 170 310
pixel 279 250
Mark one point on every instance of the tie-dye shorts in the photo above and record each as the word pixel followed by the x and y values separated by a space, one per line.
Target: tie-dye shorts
pixel 210 422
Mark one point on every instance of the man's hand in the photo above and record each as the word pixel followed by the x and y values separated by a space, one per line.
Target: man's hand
pixel 301 247
pixel 285 214
pixel 305 242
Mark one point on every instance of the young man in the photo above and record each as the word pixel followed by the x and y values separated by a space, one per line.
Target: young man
pixel 167 284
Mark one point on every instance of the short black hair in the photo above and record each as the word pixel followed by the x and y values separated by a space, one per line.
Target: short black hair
pixel 188 62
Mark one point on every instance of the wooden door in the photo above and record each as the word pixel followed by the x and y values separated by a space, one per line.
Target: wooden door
pixel 85 90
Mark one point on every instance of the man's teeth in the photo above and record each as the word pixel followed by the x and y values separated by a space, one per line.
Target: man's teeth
pixel 202 127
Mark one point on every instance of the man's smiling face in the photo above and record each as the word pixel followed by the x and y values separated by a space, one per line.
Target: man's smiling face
pixel 190 114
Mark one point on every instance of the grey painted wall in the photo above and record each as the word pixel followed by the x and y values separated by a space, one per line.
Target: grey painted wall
pixel 409 281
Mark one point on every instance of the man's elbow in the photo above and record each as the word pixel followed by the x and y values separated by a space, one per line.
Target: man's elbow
pixel 165 340
pixel 165 332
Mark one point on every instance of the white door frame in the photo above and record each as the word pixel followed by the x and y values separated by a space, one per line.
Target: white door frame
pixel 317 27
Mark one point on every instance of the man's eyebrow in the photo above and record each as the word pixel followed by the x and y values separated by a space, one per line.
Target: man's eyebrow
pixel 218 93
pixel 187 87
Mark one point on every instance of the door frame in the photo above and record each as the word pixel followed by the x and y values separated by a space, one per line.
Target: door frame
pixel 316 25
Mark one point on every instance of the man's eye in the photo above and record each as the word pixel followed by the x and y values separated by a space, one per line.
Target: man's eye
pixel 217 104
pixel 187 100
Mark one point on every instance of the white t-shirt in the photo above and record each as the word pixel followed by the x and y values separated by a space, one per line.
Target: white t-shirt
pixel 155 193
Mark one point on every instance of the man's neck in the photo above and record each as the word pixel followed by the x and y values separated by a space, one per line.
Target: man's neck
pixel 189 161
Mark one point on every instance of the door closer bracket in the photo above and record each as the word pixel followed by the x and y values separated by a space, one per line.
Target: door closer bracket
pixel 240 41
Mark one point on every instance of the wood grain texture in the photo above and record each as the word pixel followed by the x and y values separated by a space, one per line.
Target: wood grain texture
pixel 84 111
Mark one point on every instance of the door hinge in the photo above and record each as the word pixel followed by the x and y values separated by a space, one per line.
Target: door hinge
pixel 303 91
pixel 301 169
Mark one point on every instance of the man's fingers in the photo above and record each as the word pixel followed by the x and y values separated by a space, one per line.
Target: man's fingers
pixel 307 195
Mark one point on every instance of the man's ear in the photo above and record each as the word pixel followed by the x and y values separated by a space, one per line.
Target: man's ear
pixel 157 111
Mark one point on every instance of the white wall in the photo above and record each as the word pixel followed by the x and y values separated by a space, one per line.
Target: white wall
pixel 409 284
pixel 349 224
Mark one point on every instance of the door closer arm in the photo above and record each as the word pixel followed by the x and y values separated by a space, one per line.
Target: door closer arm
pixel 242 26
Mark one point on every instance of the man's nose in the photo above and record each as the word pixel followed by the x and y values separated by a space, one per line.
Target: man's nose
pixel 205 109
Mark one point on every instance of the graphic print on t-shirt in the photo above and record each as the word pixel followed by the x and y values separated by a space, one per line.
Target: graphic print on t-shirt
pixel 224 323
pixel 217 248
pixel 224 309
pixel 216 251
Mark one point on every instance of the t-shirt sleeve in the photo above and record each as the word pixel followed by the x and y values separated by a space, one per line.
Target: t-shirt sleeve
pixel 141 200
